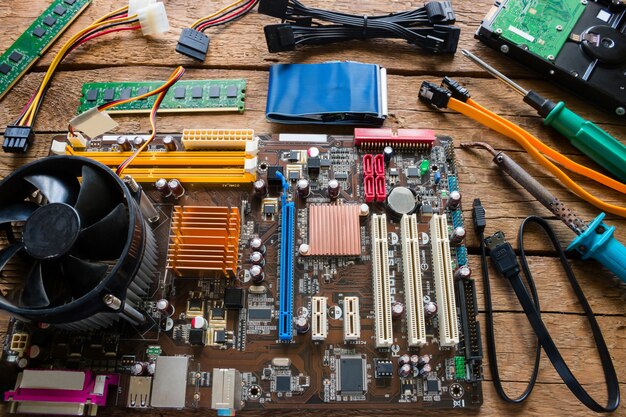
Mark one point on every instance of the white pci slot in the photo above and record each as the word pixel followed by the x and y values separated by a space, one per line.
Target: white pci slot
pixel 319 318
pixel 351 319
pixel 380 277
pixel 444 281
pixel 414 296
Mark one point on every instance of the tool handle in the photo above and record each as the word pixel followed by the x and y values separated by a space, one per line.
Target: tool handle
pixel 589 139
pixel 598 243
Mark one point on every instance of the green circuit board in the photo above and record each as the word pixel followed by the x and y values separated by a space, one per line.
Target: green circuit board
pixel 184 96
pixel 36 40
pixel 542 25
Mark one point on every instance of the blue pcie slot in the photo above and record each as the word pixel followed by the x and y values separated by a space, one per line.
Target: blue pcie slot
pixel 285 286
pixel 453 184
pixel 461 255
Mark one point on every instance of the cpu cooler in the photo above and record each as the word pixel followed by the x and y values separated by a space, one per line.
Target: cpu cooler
pixel 79 253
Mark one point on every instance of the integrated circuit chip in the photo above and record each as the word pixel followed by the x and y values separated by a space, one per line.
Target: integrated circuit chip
pixel 259 314
pixel 351 375
pixel 283 383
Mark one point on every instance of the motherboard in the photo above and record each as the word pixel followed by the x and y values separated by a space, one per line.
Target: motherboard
pixel 289 270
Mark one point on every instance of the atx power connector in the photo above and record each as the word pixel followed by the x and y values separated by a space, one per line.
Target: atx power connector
pixel 153 19
pixel 17 139
pixel 279 38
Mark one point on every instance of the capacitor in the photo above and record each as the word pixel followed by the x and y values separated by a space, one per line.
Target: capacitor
pixel 404 359
pixel 387 154
pixel 405 371
pixel 257 245
pixel 138 368
pixel 313 152
pixel 423 360
pixel 397 310
pixel 257 274
pixel 415 360
pixel 437 177
pixel 123 144
pixel 161 186
pixel 138 141
pixel 257 258
pixel 176 188
pixel 457 236
pixel 333 189
pixel 430 309
pixel 304 187
pixel 151 368
pixel 463 272
pixel 260 188
pixel 425 370
pixel 364 210
pixel 165 307
pixel 304 249
pixel 199 323
pixel 454 199
pixel 34 352
pixel 169 143
pixel 302 325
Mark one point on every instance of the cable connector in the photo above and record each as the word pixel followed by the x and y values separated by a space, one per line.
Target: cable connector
pixel 193 44
pixel 478 216
pixel 440 12
pixel 153 19
pixel 93 122
pixel 135 5
pixel 434 95
pixel 458 91
pixel 274 8
pixel 502 255
pixel 17 139
pixel 279 38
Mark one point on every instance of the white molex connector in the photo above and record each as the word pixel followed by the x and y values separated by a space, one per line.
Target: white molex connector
pixel 380 276
pixel 135 5
pixel 413 293
pixel 319 318
pixel 444 281
pixel 153 19
pixel 351 319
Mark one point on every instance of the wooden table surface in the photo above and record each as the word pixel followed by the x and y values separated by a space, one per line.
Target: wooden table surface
pixel 239 50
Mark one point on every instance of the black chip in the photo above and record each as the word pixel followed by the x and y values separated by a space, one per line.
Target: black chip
pixel 59 10
pixel 125 93
pixel 4 68
pixel 341 176
pixel 433 386
pixel 109 94
pixel 412 172
pixel 269 209
pixel 15 56
pixel 92 95
pixel 231 91
pixel 219 336
pixel 195 304
pixel 351 375
pixel 313 164
pixel 294 156
pixel 294 175
pixel 233 298
pixel 142 91
pixel 383 368
pixel 283 383
pixel 196 337
pixel 196 92
pixel 272 179
pixel 325 163
pixel 260 314
pixel 69 2
pixel 39 32
pixel 49 21
pixel 217 313
pixel 179 93
pixel 214 92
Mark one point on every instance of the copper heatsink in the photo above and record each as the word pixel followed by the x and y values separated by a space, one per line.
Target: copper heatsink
pixel 204 240
pixel 334 230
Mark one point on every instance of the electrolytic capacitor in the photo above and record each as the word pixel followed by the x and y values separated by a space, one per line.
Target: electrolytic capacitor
pixel 22 363
pixel 462 272
pixel 457 236
pixel 404 359
pixel 387 154
pixel 415 360
pixel 35 352
pixel 257 258
pixel 257 274
pixel 169 143
pixel 138 141
pixel 454 199
pixel 151 368
pixel 423 360
pixel 313 152
pixel 161 186
pixel 430 309
pixel 138 368
pixel 257 245
pixel 165 307
pixel 425 370
pixel 405 371
pixel 123 144
pixel 333 189
pixel 176 188
pixel 199 323
pixel 304 187
pixel 260 188
pixel 302 325
pixel 397 310
pixel 437 177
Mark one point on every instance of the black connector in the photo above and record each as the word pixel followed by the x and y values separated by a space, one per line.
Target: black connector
pixel 440 12
pixel 502 255
pixel 193 44
pixel 17 139
pixel 274 8
pixel 279 38
pixel 434 95
pixel 478 216
pixel 458 91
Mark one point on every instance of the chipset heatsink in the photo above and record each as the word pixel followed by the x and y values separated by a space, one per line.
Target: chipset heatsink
pixel 334 230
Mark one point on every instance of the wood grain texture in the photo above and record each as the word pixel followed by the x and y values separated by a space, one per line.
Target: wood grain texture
pixel 239 50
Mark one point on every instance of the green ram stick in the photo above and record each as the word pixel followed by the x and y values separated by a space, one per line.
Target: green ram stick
pixel 37 39
pixel 184 96
pixel 542 25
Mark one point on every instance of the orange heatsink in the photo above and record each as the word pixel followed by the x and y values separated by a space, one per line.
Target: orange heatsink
pixel 204 240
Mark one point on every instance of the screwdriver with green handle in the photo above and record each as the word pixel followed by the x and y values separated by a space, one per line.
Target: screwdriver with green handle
pixel 586 136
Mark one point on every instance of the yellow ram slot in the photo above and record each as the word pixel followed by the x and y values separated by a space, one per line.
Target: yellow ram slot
pixel 195 175
pixel 196 158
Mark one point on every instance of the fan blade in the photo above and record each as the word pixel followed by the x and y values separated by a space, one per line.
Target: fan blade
pixel 17 212
pixel 105 239
pixel 7 253
pixel 56 188
pixel 34 293
pixel 82 276
pixel 94 200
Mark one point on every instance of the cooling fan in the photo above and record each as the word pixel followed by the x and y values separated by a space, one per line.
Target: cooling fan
pixel 89 254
